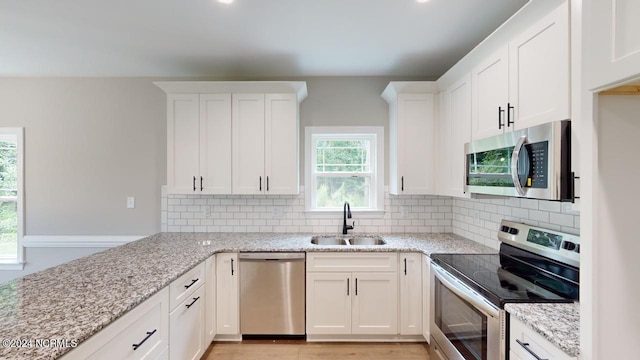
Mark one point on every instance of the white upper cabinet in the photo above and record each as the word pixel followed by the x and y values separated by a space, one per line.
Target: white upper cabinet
pixel 281 152
pixel 526 82
pixel 233 137
pixel 265 144
pixel 454 132
pixel 248 144
pixel 490 81
pixel 215 143
pixel 199 144
pixel 612 42
pixel 539 73
pixel 412 109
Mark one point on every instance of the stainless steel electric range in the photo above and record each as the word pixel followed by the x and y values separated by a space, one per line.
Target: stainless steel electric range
pixel 469 291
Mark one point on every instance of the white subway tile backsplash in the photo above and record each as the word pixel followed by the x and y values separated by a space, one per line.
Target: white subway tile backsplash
pixel 476 219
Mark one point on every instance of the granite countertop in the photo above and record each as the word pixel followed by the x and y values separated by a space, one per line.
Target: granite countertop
pixel 558 323
pixel 73 301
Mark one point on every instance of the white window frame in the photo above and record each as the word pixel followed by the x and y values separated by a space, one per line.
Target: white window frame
pixel 377 187
pixel 18 263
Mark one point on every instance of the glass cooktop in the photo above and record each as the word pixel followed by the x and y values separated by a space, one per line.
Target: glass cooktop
pixel 513 275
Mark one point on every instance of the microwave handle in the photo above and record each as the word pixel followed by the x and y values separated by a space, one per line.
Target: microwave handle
pixel 514 165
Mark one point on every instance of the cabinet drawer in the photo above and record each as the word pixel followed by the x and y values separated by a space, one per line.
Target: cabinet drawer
pixel 185 285
pixel 340 262
pixel 533 341
pixel 147 326
pixel 186 335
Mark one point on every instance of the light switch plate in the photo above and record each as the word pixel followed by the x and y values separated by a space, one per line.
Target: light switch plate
pixel 131 202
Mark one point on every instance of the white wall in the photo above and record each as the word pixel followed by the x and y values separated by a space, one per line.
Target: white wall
pixel 89 143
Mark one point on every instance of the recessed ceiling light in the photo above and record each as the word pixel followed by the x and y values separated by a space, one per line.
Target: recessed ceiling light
pixel 225 1
pixel 422 1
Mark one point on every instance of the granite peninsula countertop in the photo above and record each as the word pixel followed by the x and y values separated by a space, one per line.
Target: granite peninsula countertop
pixel 75 300
pixel 558 323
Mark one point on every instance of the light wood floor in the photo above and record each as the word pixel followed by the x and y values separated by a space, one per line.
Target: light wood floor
pixel 301 350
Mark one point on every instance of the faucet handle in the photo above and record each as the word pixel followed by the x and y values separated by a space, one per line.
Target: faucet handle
pixel 354 225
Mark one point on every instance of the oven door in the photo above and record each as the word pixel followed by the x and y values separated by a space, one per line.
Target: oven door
pixel 465 326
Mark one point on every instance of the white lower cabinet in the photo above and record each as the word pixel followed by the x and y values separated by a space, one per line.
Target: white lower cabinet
pixel 186 321
pixel 411 308
pixel 142 333
pixel 210 308
pixel 352 303
pixel 328 303
pixel 526 344
pixel 426 296
pixel 227 294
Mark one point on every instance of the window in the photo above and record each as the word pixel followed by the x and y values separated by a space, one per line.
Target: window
pixel 11 173
pixel 344 164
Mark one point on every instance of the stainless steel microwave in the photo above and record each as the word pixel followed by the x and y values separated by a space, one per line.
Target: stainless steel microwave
pixel 532 163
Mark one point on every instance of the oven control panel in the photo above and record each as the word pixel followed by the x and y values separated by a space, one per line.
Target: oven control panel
pixel 557 245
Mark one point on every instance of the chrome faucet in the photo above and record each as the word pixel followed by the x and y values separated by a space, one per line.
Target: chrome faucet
pixel 346 213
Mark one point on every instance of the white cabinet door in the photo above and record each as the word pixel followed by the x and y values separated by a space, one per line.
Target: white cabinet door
pixel 374 303
pixel 215 144
pixel 227 294
pixel 426 297
pixel 329 303
pixel 539 73
pixel 612 42
pixel 210 308
pixel 248 144
pixel 186 323
pixel 415 125
pixel 455 132
pixel 410 294
pixel 490 83
pixel 281 144
pixel 183 143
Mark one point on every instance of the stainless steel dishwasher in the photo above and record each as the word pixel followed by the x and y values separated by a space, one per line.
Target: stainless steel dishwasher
pixel 272 293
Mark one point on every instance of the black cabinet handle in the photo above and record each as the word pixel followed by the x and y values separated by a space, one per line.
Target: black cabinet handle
pixel 194 183
pixel 201 187
pixel 192 282
pixel 405 266
pixel 149 333
pixel 526 347
pixel 402 183
pixel 267 183
pixel 193 302
pixel 500 113
pixel 356 286
pixel 260 183
pixel 348 282
pixel 509 108
pixel 231 267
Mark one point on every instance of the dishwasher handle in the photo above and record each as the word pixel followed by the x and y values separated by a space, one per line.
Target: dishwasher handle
pixel 271 256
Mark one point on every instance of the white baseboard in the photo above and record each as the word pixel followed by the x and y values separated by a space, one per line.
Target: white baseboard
pixel 55 241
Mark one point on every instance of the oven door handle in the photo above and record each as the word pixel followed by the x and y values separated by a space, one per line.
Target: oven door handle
pixel 515 156
pixel 464 292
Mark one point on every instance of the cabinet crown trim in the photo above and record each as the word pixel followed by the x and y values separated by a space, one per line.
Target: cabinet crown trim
pixel 394 88
pixel 234 87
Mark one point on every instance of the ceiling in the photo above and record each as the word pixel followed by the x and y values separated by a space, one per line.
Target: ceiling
pixel 249 38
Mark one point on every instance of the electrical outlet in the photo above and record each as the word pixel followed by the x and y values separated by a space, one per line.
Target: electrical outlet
pixel 404 212
pixel 131 202
pixel 207 211
pixel 276 212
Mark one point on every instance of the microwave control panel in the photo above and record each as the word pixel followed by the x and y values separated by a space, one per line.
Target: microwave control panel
pixel 539 161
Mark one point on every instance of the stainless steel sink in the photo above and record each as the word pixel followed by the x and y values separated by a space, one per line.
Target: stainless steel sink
pixel 366 240
pixel 328 240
